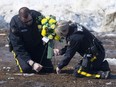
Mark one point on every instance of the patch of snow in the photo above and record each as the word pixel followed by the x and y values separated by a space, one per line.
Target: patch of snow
pixel 90 13
pixel 111 61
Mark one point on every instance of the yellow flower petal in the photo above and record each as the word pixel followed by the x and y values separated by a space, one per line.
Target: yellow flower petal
pixel 39 26
pixel 44 21
pixel 52 21
pixel 53 26
pixel 43 33
pixel 50 37
pixel 57 37
pixel 47 17
pixel 44 27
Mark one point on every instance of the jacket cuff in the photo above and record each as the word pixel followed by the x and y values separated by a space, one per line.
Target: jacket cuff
pixel 60 66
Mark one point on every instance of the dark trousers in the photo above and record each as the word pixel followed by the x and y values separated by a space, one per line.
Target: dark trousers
pixel 26 68
pixel 99 64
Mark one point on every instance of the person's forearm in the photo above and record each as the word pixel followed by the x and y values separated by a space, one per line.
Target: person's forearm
pixel 63 50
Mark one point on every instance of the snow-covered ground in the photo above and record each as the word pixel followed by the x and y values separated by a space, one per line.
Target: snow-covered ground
pixel 93 14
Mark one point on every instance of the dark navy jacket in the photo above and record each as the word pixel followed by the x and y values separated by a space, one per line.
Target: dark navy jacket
pixel 79 39
pixel 26 40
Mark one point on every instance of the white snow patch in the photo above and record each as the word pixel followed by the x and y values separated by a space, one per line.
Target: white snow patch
pixel 111 61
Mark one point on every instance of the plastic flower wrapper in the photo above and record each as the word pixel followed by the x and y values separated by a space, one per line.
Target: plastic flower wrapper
pixel 47 28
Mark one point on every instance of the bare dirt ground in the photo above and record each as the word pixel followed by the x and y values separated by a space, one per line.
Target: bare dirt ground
pixel 9 76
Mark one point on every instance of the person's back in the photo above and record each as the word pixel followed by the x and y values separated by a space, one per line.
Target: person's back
pixel 84 37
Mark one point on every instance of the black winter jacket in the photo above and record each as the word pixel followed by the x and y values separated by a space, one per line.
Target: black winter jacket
pixel 79 39
pixel 26 40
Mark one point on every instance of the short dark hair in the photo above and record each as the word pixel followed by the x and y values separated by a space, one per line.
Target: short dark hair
pixel 24 12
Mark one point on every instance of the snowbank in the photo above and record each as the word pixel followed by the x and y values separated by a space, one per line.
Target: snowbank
pixel 91 13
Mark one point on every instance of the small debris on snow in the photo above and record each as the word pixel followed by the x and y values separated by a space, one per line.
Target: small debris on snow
pixel 7 68
pixel 6 45
pixel 2 34
pixel 24 74
pixel 10 78
pixel 89 81
pixel 108 83
pixel 74 82
pixel 111 61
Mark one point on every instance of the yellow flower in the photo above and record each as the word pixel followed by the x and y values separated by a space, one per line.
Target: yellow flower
pixel 43 33
pixel 53 26
pixel 48 28
pixel 44 21
pixel 57 38
pixel 50 37
pixel 52 21
pixel 48 17
pixel 39 26
pixel 44 27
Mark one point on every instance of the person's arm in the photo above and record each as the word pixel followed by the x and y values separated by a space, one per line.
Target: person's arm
pixel 17 43
pixel 63 50
pixel 70 52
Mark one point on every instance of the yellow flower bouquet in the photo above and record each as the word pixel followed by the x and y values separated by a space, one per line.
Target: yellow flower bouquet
pixel 47 28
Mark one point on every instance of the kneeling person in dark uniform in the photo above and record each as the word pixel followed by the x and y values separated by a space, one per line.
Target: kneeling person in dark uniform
pixel 26 42
pixel 80 40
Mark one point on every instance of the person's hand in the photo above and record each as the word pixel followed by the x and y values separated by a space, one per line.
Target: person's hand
pixel 37 67
pixel 56 52
pixel 58 71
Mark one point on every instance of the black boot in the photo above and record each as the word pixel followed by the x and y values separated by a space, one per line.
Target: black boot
pixel 105 66
pixel 76 74
pixel 104 74
pixel 104 70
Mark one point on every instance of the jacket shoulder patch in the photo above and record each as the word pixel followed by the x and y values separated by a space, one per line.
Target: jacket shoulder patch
pixel 79 28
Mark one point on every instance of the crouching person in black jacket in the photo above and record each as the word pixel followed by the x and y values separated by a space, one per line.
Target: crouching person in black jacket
pixel 26 42
pixel 80 40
